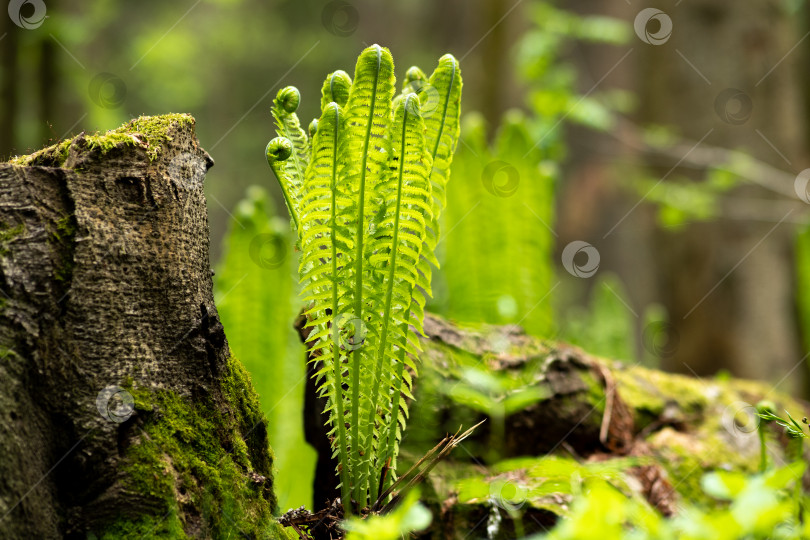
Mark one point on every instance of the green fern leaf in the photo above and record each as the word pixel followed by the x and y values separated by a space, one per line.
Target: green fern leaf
pixel 324 289
pixel 395 254
pixel 364 151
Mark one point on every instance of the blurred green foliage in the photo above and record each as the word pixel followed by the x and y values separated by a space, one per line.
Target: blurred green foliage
pixel 609 326
pixel 408 517
pixel 257 302
pixel 750 507
pixel 496 256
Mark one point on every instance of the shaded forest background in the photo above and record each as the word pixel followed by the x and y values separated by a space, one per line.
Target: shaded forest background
pixel 721 262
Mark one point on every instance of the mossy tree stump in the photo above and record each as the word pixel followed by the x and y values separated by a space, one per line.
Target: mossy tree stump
pixel 106 284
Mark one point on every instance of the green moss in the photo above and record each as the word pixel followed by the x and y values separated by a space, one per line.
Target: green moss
pixel 65 236
pixel 147 131
pixel 7 234
pixel 152 130
pixel 648 392
pixel 195 461
pixel 52 156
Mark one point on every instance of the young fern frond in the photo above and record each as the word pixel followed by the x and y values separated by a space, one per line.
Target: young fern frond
pixel 442 130
pixel 292 167
pixel 366 214
pixel 319 206
pixel 396 253
pixel 415 79
pixel 365 151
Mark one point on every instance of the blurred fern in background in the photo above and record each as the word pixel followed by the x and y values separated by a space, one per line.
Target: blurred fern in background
pixel 256 297
pixel 497 255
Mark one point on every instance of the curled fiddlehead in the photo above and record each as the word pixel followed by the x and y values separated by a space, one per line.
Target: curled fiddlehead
pixel 336 89
pixel 277 152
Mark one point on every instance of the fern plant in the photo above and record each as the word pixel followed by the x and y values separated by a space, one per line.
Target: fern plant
pixel 365 196
pixel 498 261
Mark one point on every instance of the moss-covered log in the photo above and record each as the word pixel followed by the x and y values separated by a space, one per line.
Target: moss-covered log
pixel 122 413
pixel 556 415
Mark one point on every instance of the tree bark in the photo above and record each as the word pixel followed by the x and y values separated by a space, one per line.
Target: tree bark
pixel 121 410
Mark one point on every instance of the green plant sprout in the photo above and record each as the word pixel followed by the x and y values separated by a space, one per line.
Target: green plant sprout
pixel 796 436
pixel 365 196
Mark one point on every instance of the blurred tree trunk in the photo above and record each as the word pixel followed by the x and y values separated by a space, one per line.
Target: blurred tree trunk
pixel 8 83
pixel 47 89
pixel 728 285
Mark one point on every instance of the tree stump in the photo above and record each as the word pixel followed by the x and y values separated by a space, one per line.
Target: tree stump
pixel 121 410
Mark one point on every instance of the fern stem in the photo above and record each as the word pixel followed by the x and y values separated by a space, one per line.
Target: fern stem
pixel 389 294
pixel 361 492
pixel 393 424
pixel 284 191
pixel 345 492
